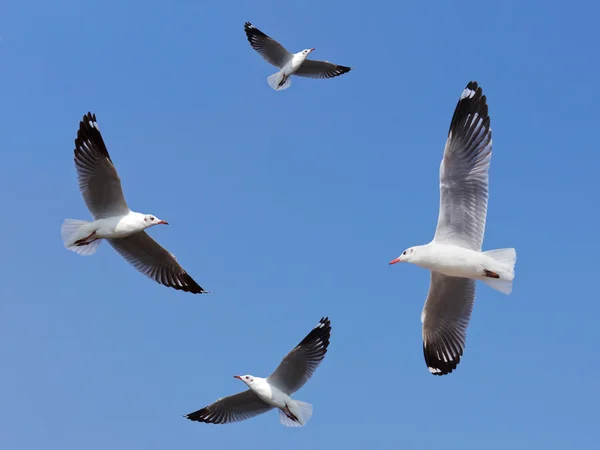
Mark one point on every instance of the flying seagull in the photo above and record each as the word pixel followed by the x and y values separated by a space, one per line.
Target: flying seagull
pixel 289 63
pixel 275 390
pixel 454 256
pixel 100 186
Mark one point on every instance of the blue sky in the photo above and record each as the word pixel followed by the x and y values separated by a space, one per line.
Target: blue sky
pixel 288 206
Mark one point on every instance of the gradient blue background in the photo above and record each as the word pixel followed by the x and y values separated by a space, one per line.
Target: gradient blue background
pixel 288 206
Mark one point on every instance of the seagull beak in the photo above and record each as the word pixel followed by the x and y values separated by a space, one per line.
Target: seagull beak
pixel 312 49
pixel 162 222
pixel 237 376
pixel 394 261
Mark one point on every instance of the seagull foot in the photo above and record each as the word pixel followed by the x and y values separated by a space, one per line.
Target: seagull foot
pixel 490 274
pixel 290 414
pixel 84 241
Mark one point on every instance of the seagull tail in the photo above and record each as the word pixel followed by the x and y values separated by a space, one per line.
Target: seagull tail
pixel 507 257
pixel 302 410
pixel 279 81
pixel 73 230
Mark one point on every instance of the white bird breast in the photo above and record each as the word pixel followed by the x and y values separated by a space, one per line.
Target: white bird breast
pixel 452 260
pixel 118 227
pixel 270 394
pixel 295 63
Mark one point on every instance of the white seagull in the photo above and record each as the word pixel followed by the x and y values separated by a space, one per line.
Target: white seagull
pixel 289 63
pixel 100 186
pixel 274 391
pixel 454 256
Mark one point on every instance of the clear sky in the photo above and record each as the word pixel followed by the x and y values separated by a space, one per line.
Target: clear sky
pixel 288 206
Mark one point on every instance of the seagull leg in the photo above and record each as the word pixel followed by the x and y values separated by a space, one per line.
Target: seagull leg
pixel 84 241
pixel 490 274
pixel 290 414
pixel 283 80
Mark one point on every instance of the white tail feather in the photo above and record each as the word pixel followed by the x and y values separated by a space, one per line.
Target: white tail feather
pixel 302 410
pixel 507 257
pixel 73 230
pixel 500 285
pixel 276 78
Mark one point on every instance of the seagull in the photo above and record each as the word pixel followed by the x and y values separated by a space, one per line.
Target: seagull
pixel 275 390
pixel 100 186
pixel 289 63
pixel 454 256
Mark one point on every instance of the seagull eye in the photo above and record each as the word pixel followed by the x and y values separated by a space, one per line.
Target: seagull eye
pixel 404 253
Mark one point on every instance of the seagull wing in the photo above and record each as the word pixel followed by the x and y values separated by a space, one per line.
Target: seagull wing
pixel 154 261
pixel 445 319
pixel 271 50
pixel 99 181
pixel 234 408
pixel 464 173
pixel 300 364
pixel 320 69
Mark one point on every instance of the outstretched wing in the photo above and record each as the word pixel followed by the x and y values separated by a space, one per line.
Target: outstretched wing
pixel 300 364
pixel 464 173
pixel 321 69
pixel 271 50
pixel 99 181
pixel 154 261
pixel 234 408
pixel 445 318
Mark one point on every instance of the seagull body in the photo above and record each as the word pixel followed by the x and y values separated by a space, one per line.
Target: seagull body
pixel 115 227
pixel 123 228
pixel 454 256
pixel 274 391
pixel 275 397
pixel 289 63
pixel 457 261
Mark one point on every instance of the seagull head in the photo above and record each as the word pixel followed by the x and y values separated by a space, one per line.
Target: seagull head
pixel 150 221
pixel 306 52
pixel 406 256
pixel 248 379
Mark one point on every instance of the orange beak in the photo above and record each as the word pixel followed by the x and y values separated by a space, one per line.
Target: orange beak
pixel 394 261
pixel 162 222
pixel 237 376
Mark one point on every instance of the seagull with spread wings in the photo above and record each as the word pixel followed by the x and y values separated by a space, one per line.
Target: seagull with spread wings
pixel 454 256
pixel 289 63
pixel 100 186
pixel 274 391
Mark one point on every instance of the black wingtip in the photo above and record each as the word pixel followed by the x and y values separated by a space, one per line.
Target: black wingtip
pixel 253 33
pixel 90 131
pixel 85 124
pixel 197 416
pixel 321 331
pixel 204 415
pixel 438 366
pixel 471 101
pixel 188 285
